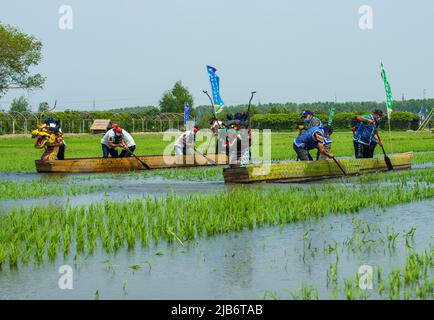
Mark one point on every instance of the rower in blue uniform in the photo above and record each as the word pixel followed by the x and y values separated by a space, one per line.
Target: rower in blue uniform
pixel 365 136
pixel 315 137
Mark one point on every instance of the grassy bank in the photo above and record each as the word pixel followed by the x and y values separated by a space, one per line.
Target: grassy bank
pixel 18 154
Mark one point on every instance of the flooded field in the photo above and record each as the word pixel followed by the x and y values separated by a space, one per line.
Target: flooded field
pixel 271 262
pixel 185 234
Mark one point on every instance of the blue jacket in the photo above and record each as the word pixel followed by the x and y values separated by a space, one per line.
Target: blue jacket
pixel 307 140
pixel 365 132
pixel 313 122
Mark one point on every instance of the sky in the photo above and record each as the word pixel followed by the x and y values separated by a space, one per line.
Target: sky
pixel 127 53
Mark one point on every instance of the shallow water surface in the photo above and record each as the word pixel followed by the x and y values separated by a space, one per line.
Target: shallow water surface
pixel 244 265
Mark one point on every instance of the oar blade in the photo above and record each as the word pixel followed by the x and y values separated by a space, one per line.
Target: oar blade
pixel 339 165
pixel 388 163
pixel 387 159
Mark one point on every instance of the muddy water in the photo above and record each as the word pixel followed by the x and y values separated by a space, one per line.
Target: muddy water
pixel 243 265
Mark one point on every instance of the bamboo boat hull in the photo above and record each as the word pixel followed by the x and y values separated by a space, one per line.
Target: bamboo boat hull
pixel 95 165
pixel 312 170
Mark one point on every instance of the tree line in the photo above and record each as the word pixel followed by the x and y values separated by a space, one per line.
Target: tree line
pixel 19 52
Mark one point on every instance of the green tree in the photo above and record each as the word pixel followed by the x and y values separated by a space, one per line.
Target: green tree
pixel 20 105
pixel 18 52
pixel 43 107
pixel 173 100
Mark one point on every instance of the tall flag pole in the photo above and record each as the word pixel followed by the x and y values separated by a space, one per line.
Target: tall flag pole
pixel 186 112
pixel 215 87
pixel 389 97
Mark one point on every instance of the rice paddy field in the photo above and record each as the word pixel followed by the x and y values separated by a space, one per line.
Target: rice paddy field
pixel 185 234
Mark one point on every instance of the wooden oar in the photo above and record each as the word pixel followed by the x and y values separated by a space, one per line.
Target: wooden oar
pixel 210 161
pixel 209 143
pixel 386 158
pixel 339 165
pixel 141 161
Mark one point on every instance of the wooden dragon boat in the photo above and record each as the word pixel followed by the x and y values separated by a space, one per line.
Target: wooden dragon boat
pixel 93 165
pixel 293 171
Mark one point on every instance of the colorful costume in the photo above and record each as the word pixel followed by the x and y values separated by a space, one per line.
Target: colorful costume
pixel 49 139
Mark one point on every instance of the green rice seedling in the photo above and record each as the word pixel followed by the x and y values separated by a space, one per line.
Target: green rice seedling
pixel 349 289
pixel 131 239
pixel 170 232
pixel 187 217
pixel 394 284
pixel 409 238
pixel 110 266
pixel 40 188
pixel 54 244
pixel 329 249
pixel 13 256
pixel 40 249
pixel 135 267
pixel 80 241
pixel 124 286
pixel 379 273
pixel 332 274
pixel 391 238
pixel 273 295
pixel 307 293
pixel 382 287
pixel 148 262
pixel 3 254
pixel 66 239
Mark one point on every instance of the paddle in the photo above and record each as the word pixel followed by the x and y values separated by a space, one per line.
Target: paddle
pixel 339 165
pixel 210 161
pixel 212 104
pixel 299 134
pixel 386 158
pixel 141 161
pixel 248 108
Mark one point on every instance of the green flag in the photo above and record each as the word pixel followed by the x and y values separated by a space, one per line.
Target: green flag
pixel 331 116
pixel 389 98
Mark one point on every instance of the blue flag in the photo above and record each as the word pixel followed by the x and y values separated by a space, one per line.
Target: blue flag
pixel 186 112
pixel 215 87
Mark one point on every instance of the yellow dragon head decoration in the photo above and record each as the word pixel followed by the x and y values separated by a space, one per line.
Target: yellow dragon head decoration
pixel 44 138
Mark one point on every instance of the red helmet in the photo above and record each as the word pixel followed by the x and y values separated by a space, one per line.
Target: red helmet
pixel 117 129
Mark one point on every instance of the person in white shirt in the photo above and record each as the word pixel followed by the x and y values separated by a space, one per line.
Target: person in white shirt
pixel 109 144
pixel 185 142
pixel 115 138
pixel 127 143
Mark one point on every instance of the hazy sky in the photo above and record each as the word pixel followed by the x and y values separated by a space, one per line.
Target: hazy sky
pixel 126 53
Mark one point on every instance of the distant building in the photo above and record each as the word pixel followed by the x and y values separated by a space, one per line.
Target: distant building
pixel 101 125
